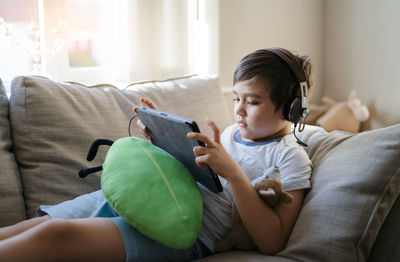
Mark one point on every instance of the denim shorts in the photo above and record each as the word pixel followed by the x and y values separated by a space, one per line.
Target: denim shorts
pixel 138 247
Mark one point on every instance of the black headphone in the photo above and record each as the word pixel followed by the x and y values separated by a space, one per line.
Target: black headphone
pixel 297 106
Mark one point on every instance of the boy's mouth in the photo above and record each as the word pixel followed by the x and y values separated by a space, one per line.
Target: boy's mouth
pixel 241 124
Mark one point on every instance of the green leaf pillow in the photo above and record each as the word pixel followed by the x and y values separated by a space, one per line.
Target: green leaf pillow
pixel 153 192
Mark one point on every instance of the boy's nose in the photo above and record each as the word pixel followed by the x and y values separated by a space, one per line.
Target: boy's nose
pixel 239 110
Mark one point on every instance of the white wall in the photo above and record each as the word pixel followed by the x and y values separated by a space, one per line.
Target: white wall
pixel 246 26
pixel 362 52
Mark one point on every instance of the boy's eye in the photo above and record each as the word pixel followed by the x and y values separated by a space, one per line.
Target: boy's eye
pixel 236 100
pixel 252 102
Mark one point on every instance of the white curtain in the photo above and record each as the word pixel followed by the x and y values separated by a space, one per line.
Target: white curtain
pixel 174 37
pixel 130 40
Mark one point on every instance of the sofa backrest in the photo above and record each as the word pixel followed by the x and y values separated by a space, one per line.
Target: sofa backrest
pixel 53 125
pixel 11 201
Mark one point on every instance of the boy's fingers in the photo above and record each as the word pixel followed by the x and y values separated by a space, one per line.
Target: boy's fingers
pixel 199 150
pixel 144 129
pixel 148 102
pixel 140 124
pixel 200 161
pixel 147 136
pixel 201 137
pixel 215 130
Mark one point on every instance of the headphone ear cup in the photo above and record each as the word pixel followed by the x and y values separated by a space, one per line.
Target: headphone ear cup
pixel 295 111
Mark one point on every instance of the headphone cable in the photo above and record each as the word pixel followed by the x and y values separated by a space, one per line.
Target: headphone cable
pixel 130 122
pixel 298 140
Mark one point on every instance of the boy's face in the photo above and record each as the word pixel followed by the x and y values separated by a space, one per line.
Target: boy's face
pixel 255 114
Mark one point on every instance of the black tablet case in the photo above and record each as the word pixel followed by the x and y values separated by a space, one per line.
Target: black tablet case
pixel 169 132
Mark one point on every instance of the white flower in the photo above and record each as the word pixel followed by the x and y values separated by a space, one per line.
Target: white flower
pixel 62 24
pixel 33 27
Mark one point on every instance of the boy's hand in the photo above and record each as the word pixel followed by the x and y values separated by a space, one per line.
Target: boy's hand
pixel 149 103
pixel 213 153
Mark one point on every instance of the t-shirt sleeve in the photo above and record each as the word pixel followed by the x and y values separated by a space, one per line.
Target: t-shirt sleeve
pixel 226 135
pixel 295 169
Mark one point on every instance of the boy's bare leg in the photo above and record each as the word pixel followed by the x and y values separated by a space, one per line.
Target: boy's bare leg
pixel 88 239
pixel 9 231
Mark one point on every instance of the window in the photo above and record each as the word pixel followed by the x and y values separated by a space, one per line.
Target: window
pixel 93 41
pixel 96 40
pixel 19 39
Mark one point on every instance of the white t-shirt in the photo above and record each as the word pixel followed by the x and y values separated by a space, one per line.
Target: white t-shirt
pixel 255 159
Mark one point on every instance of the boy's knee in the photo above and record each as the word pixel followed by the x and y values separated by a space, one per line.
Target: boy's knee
pixel 55 231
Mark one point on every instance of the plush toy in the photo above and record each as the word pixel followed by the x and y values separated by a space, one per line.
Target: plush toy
pixel 345 116
pixel 269 188
pixel 151 190
pixel 316 111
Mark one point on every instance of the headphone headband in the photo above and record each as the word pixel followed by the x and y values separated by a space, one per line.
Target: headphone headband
pixel 291 61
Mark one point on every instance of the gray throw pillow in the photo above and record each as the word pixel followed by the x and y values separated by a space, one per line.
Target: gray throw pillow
pixel 355 181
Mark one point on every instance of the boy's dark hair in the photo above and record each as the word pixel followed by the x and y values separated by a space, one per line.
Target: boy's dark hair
pixel 268 70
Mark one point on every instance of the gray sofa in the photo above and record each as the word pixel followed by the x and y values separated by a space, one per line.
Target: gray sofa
pixel 352 212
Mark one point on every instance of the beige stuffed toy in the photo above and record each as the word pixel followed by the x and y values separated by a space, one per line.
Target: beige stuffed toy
pixel 345 116
pixel 269 188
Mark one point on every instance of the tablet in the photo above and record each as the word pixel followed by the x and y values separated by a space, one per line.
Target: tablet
pixel 169 132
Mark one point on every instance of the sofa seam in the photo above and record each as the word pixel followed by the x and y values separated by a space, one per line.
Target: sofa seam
pixel 158 81
pixel 18 81
pixel 29 132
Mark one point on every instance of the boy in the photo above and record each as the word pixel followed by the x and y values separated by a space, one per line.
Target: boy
pixel 265 90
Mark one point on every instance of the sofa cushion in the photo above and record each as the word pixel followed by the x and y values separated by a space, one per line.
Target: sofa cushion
pixel 355 181
pixel 12 207
pixel 53 125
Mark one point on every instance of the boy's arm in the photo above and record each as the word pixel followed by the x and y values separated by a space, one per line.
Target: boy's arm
pixel 269 228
